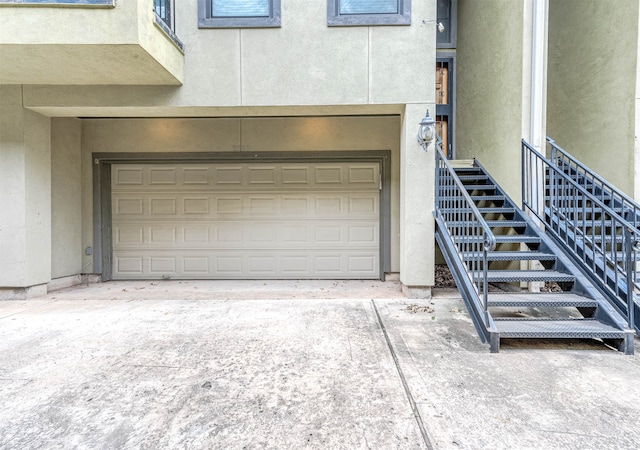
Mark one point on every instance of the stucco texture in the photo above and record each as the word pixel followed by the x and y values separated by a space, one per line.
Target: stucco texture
pixel 66 198
pixel 25 193
pixel 303 62
pixel 490 87
pixel 86 46
pixel 592 84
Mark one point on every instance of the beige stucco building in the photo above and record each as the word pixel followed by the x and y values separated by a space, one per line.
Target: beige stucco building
pixel 138 142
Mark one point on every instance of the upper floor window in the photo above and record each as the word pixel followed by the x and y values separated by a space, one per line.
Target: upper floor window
pixel 82 3
pixel 368 12
pixel 164 10
pixel 238 13
pixel 447 23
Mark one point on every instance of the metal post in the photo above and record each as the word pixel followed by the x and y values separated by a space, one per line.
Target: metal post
pixel 485 287
pixel 628 249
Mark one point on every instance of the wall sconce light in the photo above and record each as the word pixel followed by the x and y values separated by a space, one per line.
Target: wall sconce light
pixel 427 131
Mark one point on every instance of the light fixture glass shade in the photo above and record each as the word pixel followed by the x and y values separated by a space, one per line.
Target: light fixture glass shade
pixel 427 131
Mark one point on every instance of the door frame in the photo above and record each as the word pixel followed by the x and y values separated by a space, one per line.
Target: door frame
pixel 449 110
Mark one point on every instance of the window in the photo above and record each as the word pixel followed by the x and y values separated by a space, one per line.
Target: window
pixel 80 3
pixel 164 10
pixel 445 102
pixel 238 13
pixel 447 23
pixel 368 12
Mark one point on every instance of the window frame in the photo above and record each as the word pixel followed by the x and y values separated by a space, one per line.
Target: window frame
pixel 335 19
pixel 65 3
pixel 449 109
pixel 453 26
pixel 205 20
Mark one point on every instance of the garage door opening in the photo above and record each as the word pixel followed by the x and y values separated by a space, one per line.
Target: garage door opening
pixel 235 219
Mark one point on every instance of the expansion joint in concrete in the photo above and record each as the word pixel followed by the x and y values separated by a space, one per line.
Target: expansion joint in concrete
pixel 405 385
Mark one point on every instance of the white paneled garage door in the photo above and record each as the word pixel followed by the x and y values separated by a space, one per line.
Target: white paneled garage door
pixel 246 220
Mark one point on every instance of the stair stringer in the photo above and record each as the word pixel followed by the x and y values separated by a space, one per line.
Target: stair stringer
pixel 488 333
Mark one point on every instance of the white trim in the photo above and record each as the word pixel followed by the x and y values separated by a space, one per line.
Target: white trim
pixel 538 75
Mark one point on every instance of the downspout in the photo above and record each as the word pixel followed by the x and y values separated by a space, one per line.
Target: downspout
pixel 538 75
pixel 538 83
pixel 537 104
pixel 636 156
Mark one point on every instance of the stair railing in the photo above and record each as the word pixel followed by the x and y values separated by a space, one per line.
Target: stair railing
pixel 580 220
pixel 594 183
pixel 468 230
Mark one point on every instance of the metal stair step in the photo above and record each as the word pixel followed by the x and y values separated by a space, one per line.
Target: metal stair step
pixel 472 177
pixel 516 238
pixel 467 169
pixel 580 197
pixel 479 187
pixel 479 197
pixel 495 224
pixel 507 223
pixel 558 329
pixel 487 197
pixel 506 239
pixel 516 256
pixel 620 256
pixel 569 211
pixel 508 276
pixel 533 300
pixel 600 238
pixel 597 223
pixel 496 210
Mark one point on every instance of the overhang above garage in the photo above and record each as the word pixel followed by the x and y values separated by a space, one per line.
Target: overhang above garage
pixel 126 44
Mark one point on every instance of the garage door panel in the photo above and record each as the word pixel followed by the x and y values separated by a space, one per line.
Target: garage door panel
pixel 363 175
pixel 234 264
pixel 164 176
pixel 261 175
pixel 195 205
pixel 364 264
pixel 223 177
pixel 125 175
pixel 225 206
pixel 295 175
pixel 272 235
pixel 128 206
pixel 288 220
pixel 195 176
pixel 196 265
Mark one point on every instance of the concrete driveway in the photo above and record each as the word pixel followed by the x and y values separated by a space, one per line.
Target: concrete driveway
pixel 279 365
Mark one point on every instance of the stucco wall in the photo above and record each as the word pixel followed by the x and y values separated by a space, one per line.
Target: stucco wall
pixel 66 198
pixel 304 62
pixel 45 44
pixel 82 25
pixel 25 193
pixel 240 134
pixel 592 83
pixel 490 87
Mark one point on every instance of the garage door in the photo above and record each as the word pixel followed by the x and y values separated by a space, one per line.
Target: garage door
pixel 246 220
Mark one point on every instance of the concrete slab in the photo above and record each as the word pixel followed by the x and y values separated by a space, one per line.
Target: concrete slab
pixel 187 365
pixel 549 395
pixel 199 374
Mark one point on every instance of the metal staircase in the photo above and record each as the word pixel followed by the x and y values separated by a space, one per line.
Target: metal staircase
pixel 596 224
pixel 488 242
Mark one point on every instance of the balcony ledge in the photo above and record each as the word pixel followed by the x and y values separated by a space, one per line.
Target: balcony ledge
pixel 93 42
